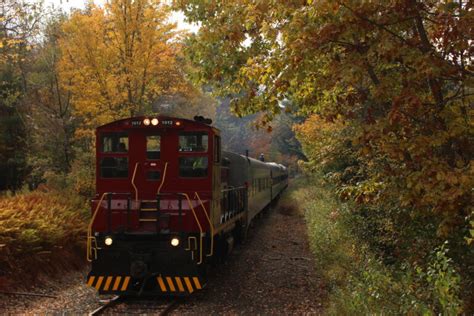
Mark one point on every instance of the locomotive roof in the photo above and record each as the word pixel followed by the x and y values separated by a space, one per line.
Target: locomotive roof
pixel 159 117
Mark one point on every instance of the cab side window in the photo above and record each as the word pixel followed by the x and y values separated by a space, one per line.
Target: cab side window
pixel 217 149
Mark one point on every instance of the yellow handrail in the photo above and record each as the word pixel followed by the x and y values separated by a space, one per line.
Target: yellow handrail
pixel 189 245
pixel 210 224
pixel 133 181
pixel 199 225
pixel 162 180
pixel 89 229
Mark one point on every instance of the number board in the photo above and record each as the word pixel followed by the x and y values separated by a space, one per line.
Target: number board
pixel 167 122
pixel 137 123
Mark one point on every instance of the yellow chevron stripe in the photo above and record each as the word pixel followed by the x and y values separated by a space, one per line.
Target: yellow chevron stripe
pixel 99 283
pixel 117 283
pixel 162 284
pixel 170 283
pixel 188 284
pixel 125 283
pixel 107 283
pixel 197 283
pixel 91 281
pixel 180 285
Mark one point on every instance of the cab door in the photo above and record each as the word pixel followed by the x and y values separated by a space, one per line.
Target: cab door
pixel 149 163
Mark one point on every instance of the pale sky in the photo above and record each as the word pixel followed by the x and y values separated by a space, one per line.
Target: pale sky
pixel 67 5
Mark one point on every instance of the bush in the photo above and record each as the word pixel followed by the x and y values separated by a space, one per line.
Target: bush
pixel 39 223
pixel 358 255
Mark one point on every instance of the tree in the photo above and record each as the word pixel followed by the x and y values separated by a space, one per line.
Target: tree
pixel 51 124
pixel 117 60
pixel 18 26
pixel 277 142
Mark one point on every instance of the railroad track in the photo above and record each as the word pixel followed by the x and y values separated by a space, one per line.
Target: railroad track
pixel 136 307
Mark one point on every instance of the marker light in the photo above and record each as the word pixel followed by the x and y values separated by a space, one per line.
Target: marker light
pixel 154 121
pixel 108 241
pixel 178 123
pixel 146 121
pixel 174 242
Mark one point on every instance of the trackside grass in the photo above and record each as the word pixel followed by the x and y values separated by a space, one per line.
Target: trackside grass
pixel 359 281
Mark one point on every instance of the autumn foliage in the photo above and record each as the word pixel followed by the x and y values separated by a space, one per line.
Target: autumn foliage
pixel 39 228
pixel 397 75
pixel 118 59
pixel 387 90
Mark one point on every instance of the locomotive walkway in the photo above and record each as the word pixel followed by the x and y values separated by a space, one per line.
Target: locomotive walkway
pixel 273 273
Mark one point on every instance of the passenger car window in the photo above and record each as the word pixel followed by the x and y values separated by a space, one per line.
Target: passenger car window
pixel 114 143
pixel 193 142
pixel 153 147
pixel 114 167
pixel 193 167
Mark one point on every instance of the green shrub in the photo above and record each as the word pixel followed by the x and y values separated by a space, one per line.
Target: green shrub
pixel 366 258
pixel 444 282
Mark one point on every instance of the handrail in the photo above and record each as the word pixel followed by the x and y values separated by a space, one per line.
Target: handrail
pixel 199 225
pixel 91 238
pixel 233 189
pixel 195 218
pixel 133 181
pixel 163 180
pixel 89 229
pixel 211 226
pixel 189 245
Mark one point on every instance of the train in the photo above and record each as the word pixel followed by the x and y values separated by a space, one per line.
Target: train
pixel 169 203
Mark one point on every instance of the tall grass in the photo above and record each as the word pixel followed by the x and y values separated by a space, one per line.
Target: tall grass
pixel 359 281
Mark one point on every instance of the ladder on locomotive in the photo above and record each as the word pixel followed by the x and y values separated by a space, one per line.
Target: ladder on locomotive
pixel 149 211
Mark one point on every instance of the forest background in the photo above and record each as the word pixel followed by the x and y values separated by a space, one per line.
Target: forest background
pixel 371 100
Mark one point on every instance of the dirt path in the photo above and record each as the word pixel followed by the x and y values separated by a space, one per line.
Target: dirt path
pixel 272 274
pixel 72 297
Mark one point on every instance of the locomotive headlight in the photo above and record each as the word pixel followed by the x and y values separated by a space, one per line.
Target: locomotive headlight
pixel 108 241
pixel 146 121
pixel 154 121
pixel 174 242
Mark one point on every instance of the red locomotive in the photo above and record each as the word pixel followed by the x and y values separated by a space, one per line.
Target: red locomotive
pixel 168 202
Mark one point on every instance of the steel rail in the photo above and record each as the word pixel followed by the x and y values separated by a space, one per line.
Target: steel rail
pixel 171 305
pixel 112 302
pixel 120 299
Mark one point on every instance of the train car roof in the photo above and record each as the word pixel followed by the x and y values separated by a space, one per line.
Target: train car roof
pixel 256 161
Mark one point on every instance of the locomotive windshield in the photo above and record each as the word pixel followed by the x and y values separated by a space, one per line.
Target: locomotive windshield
pixel 193 142
pixel 114 142
pixel 193 167
pixel 115 165
pixel 153 147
